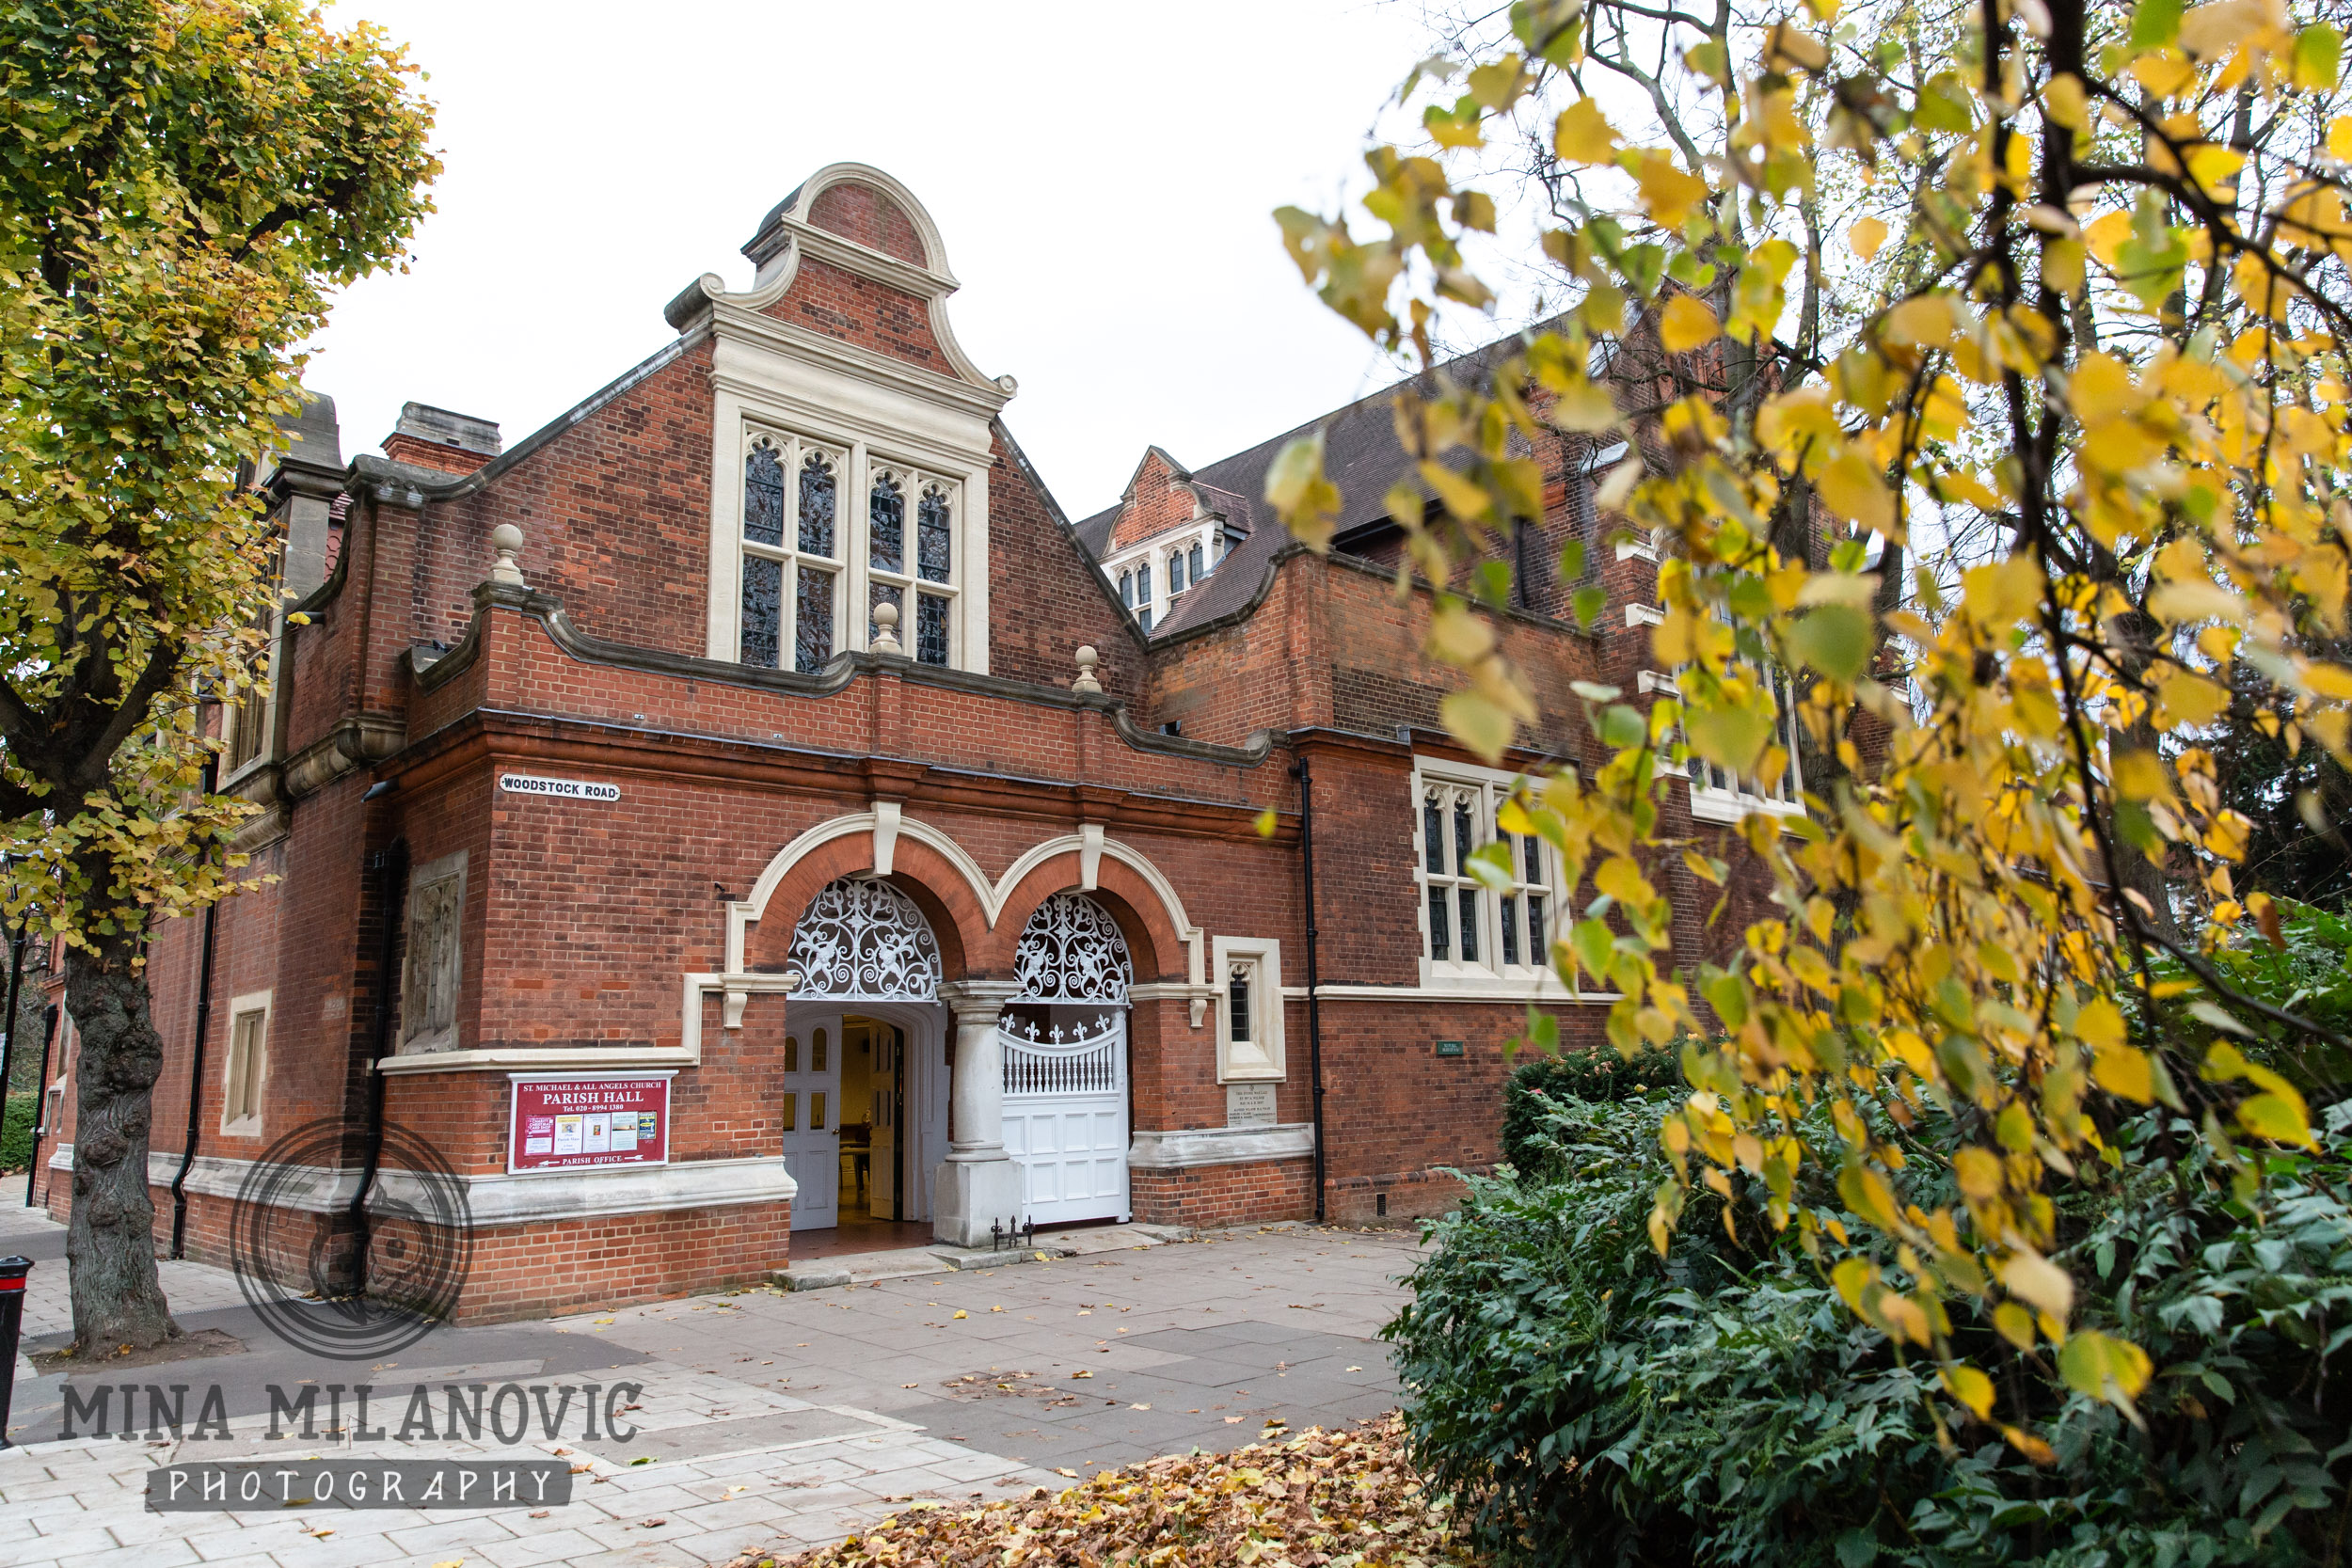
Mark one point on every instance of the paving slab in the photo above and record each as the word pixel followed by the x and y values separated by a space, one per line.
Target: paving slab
pixel 759 1418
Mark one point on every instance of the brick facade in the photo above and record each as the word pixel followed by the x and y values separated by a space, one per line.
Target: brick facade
pixel 649 932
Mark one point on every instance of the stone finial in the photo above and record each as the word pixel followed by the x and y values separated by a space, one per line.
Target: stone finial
pixel 1088 659
pixel 886 630
pixel 508 541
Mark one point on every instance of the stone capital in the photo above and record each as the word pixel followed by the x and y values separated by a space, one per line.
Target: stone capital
pixel 978 1000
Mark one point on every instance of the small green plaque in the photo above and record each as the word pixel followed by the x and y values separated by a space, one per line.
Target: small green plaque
pixel 1449 1048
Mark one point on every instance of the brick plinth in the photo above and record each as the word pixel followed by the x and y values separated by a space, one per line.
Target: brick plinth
pixel 1405 1195
pixel 538 1269
pixel 1206 1196
pixel 528 1270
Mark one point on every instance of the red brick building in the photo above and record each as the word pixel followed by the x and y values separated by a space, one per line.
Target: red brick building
pixel 747 806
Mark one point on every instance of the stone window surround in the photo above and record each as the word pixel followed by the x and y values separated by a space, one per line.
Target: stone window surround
pixel 248 1126
pixel 857 464
pixel 863 450
pixel 1259 1058
pixel 1494 785
pixel 1207 532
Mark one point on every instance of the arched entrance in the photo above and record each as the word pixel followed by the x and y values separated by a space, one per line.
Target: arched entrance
pixel 1063 1041
pixel 864 1086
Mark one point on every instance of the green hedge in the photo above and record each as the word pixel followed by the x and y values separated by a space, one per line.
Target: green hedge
pixel 1594 1405
pixel 1596 1075
pixel 16 1131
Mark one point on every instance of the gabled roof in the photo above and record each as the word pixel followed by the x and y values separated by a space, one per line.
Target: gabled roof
pixel 1361 455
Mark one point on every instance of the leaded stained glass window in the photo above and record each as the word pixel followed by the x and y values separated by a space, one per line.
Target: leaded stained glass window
pixel 763 610
pixel 806 555
pixel 886 525
pixel 931 628
pixel 812 614
pixel 816 504
pixel 933 542
pixel 763 495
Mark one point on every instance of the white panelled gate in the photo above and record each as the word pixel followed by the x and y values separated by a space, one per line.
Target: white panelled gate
pixel 1064 1042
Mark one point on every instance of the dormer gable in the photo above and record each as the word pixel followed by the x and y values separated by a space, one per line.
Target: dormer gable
pixel 853 438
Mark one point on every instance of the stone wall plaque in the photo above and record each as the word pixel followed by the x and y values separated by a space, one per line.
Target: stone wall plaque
pixel 1250 1105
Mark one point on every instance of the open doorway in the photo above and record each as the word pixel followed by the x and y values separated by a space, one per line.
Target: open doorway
pixel 855 1125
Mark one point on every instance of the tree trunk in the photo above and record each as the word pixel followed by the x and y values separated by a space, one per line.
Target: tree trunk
pixel 111 1245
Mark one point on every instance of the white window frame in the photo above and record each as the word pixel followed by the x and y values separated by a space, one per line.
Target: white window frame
pixel 1484 789
pixel 913 481
pixel 252 1067
pixel 1259 1059
pixel 422 1035
pixel 863 453
pixel 1716 796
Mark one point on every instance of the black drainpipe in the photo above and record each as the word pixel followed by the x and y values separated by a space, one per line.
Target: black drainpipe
pixel 392 870
pixel 196 1057
pixel 1315 999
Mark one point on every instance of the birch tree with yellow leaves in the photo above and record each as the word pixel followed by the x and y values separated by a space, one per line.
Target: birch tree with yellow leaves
pixel 2036 315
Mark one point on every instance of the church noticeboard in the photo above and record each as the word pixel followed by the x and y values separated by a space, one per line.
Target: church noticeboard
pixel 575 1123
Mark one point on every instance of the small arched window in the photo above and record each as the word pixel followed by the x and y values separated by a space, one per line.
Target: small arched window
pixel 1195 564
pixel 1127 590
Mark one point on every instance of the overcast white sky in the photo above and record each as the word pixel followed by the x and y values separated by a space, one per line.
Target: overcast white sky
pixel 1102 174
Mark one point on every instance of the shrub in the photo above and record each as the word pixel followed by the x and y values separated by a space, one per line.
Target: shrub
pixel 1596 1075
pixel 16 1130
pixel 1592 1402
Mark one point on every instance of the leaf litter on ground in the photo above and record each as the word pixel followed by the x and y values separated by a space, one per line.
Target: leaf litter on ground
pixel 1321 1499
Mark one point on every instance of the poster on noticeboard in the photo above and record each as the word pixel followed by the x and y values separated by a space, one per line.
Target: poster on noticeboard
pixel 588 1123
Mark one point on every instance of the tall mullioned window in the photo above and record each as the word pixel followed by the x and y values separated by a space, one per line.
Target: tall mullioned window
pixel 1475 929
pixel 810 553
pixel 794 543
pixel 922 577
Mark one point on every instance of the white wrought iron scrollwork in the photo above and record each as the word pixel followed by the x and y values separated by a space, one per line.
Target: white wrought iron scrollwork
pixel 1083 1059
pixel 863 937
pixel 1071 951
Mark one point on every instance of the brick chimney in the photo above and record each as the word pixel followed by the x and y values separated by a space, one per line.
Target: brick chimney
pixel 430 437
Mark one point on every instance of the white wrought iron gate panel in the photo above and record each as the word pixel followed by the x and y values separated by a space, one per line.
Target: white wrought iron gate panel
pixel 1066 1117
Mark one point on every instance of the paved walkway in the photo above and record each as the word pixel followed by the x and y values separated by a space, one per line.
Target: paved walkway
pixel 765 1418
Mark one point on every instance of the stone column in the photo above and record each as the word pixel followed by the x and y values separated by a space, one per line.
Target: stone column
pixel 978 1182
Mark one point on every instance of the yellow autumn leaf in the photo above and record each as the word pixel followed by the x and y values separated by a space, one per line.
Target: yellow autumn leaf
pixel 2039 1283
pixel 1865 237
pixel 1970 1386
pixel 2121 1071
pixel 1686 324
pixel 1667 192
pixel 2276 1117
pixel 1582 136
pixel 1849 487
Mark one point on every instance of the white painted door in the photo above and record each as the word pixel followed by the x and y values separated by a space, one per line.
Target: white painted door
pixel 883 1115
pixel 1066 1118
pixel 811 1114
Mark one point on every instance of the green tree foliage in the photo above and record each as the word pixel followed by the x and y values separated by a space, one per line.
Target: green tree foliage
pixel 181 182
pixel 1593 1403
pixel 1987 363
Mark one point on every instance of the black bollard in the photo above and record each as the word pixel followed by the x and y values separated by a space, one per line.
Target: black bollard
pixel 12 1273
